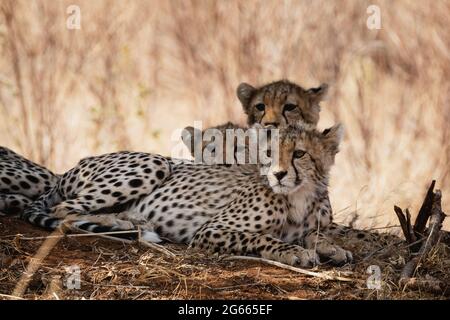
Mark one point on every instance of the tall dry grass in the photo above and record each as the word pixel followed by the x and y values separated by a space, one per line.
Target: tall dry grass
pixel 139 69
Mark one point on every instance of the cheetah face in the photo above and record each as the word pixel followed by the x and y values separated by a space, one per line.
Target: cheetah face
pixel 281 103
pixel 304 158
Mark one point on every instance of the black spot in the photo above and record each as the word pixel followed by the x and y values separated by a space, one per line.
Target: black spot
pixel 169 223
pixel 116 194
pixel 160 174
pixel 32 178
pixel 136 183
pixel 24 185
pixel 15 203
pixel 360 235
pixel 106 191
pixel 6 180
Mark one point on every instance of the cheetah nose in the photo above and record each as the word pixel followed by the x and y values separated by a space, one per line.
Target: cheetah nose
pixel 280 175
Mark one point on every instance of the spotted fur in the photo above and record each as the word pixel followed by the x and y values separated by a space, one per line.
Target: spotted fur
pixel 21 181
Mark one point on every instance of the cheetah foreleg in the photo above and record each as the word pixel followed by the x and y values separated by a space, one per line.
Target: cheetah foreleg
pixel 213 239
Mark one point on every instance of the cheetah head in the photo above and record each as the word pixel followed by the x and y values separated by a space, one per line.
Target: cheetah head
pixel 304 158
pixel 281 103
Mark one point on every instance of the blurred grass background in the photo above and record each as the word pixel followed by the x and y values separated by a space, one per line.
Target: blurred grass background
pixel 137 70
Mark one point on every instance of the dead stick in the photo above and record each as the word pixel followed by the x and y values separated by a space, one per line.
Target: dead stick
pixel 424 212
pixel 404 223
pixel 35 263
pixel 288 267
pixel 437 217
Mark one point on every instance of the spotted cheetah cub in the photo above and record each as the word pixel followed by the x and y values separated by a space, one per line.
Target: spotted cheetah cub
pixel 283 222
pixel 277 216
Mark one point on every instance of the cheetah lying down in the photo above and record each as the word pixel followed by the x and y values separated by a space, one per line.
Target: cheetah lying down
pixel 215 208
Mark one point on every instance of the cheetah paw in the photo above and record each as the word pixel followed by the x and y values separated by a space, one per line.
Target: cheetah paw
pixel 300 256
pixel 337 255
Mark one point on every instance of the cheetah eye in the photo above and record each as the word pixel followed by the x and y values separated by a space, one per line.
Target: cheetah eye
pixel 289 107
pixel 260 107
pixel 299 153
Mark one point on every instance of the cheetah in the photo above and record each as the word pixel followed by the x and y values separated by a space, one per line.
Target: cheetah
pixel 213 208
pixel 21 181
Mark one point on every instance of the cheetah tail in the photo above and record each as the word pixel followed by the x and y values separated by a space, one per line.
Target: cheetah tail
pixel 84 225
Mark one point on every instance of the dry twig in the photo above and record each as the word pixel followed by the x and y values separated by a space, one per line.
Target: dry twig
pixel 295 269
pixel 420 246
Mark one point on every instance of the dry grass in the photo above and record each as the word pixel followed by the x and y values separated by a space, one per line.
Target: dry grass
pixel 113 270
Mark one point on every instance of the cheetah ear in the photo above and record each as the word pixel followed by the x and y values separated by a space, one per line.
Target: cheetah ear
pixel 318 94
pixel 187 136
pixel 245 92
pixel 332 137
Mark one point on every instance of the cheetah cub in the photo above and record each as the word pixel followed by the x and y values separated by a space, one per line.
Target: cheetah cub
pixel 278 215
pixel 284 222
